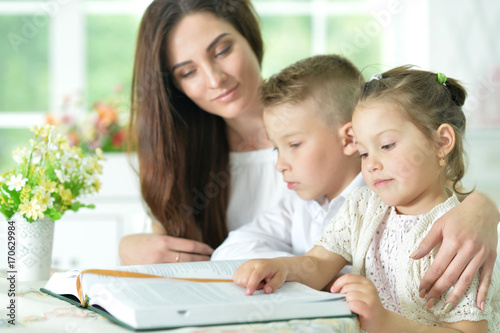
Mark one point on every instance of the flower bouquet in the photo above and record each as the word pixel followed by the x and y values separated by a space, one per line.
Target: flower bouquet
pixel 50 176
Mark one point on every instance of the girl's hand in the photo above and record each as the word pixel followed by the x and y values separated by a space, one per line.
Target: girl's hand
pixel 266 274
pixel 469 237
pixel 144 249
pixel 362 298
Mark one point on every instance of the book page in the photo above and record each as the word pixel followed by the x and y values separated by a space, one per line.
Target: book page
pixel 65 282
pixel 145 293
pixel 200 269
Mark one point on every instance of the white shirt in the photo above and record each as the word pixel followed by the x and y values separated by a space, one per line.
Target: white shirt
pixel 256 185
pixel 290 228
pixel 381 260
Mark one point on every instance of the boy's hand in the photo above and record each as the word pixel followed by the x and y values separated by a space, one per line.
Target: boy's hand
pixel 362 298
pixel 266 274
pixel 469 243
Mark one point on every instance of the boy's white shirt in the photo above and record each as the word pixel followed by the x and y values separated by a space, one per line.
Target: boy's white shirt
pixel 290 228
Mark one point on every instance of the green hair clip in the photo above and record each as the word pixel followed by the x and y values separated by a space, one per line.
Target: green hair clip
pixel 442 78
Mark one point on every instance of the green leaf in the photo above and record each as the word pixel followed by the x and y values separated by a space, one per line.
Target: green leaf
pixel 75 206
pixel 53 214
pixel 5 188
pixel 6 212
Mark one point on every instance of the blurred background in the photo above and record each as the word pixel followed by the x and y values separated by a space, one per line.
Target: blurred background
pixel 71 57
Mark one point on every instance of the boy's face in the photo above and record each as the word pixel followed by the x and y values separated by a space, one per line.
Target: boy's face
pixel 398 161
pixel 309 151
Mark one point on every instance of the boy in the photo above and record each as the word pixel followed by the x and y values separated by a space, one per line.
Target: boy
pixel 307 114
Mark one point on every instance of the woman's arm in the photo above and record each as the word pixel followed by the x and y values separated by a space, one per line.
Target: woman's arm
pixel 143 249
pixel 468 236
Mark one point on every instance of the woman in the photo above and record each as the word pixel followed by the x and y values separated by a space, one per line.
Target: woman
pixel 177 138
pixel 206 165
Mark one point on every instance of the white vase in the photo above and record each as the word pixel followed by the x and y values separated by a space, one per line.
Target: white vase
pixel 33 248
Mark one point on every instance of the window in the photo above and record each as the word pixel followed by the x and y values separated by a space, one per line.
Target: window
pixel 83 49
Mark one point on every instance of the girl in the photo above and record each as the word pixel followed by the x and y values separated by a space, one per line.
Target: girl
pixel 408 126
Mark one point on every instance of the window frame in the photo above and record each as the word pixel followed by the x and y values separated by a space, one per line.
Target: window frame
pixel 68 39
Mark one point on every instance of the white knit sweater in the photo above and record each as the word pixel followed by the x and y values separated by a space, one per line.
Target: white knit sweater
pixel 350 233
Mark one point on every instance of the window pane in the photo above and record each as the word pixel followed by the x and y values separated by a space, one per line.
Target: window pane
pixel 11 139
pixel 357 38
pixel 110 52
pixel 24 84
pixel 264 1
pixel 286 40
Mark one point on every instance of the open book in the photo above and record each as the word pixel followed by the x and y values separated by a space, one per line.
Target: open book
pixel 187 294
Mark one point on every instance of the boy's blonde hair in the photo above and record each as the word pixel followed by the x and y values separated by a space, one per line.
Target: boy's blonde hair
pixel 428 103
pixel 330 81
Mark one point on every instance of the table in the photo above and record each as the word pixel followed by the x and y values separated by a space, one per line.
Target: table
pixel 38 312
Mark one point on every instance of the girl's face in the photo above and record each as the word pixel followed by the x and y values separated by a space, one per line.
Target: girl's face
pixel 398 161
pixel 214 65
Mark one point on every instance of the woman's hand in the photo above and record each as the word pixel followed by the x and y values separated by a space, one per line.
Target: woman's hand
pixel 267 274
pixel 362 299
pixel 469 237
pixel 143 249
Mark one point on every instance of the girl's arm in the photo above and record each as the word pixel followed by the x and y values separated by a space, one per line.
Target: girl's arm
pixel 363 299
pixel 315 269
pixel 469 237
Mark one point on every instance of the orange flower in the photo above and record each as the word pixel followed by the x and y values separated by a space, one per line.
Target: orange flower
pixel 107 114
pixel 73 138
pixel 119 138
pixel 51 119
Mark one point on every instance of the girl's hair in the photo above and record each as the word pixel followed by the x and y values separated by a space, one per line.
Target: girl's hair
pixel 183 150
pixel 428 103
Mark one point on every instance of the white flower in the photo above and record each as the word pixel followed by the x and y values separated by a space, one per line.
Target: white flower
pixel 20 155
pixel 45 200
pixel 61 176
pixel 71 164
pixel 42 131
pixel 31 209
pixel 52 146
pixel 52 141
pixel 16 182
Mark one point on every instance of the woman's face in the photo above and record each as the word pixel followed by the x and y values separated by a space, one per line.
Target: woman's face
pixel 214 65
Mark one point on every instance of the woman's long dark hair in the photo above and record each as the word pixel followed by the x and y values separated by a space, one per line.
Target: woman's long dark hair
pixel 183 151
